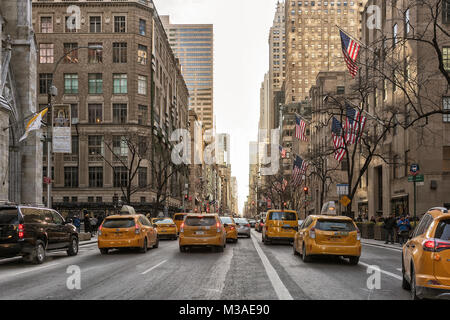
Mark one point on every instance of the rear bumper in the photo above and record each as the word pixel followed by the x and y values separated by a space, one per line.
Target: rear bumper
pixel 167 235
pixel 244 231
pixel 110 244
pixel 197 241
pixel 290 239
pixel 232 234
pixel 338 250
pixel 9 250
pixel 280 235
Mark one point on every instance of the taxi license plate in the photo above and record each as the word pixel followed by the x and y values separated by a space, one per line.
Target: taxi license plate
pixel 200 233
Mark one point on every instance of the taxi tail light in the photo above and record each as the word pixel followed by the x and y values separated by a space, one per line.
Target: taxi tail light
pixel 232 228
pixel 436 245
pixel 21 231
pixel 312 233
pixel 137 229
pixel 182 227
pixel 218 227
pixel 100 230
pixel 358 234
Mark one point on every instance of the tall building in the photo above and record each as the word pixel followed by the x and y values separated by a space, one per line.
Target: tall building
pixel 193 46
pixel 131 86
pixel 20 162
pixel 313 42
pixel 223 144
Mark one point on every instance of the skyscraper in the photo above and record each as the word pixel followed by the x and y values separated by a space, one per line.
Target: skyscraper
pixel 192 44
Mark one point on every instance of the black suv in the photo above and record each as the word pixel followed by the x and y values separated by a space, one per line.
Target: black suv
pixel 31 231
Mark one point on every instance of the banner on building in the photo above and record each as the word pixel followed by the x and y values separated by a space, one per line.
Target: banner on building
pixel 62 131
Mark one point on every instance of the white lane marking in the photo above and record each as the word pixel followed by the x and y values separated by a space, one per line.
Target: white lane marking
pixel 29 270
pixel 154 267
pixel 393 275
pixel 381 247
pixel 399 269
pixel 280 289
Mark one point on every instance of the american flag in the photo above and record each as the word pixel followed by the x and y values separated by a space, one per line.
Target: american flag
pixel 354 125
pixel 300 128
pixel 350 49
pixel 299 170
pixel 280 186
pixel 283 152
pixel 338 140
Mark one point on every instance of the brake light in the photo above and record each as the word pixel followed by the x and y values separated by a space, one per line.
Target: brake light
pixel 137 229
pixel 358 234
pixel 248 225
pixel 261 224
pixel 218 227
pixel 312 233
pixel 21 231
pixel 182 227
pixel 231 227
pixel 100 230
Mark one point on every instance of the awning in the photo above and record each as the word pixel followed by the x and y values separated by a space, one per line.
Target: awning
pixel 397 196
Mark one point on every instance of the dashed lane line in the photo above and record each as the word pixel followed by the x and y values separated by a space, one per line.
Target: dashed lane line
pixel 154 267
pixel 393 275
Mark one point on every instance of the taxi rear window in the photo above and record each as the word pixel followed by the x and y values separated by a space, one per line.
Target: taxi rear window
pixel 118 223
pixel 282 216
pixel 443 230
pixel 335 225
pixel 179 217
pixel 164 221
pixel 200 221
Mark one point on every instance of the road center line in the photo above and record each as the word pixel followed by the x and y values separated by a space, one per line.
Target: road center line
pixel 393 275
pixel 154 267
pixel 29 270
pixel 280 289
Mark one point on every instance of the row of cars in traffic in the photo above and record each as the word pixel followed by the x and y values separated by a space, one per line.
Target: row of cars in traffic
pixel 33 231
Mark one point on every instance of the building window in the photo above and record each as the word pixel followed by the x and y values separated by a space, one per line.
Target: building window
pixel 95 24
pixel 71 24
pixel 142 177
pixel 446 109
pixel 95 113
pixel 70 83
pixel 395 35
pixel 75 145
pixel 66 199
pixel 46 52
pixel 71 177
pixel 142 85
pixel 90 199
pixel 45 81
pixel 119 52
pixel 120 83
pixel 142 115
pixel 446 11
pixel 120 24
pixel 95 145
pixel 74 199
pixel 142 54
pixel 95 55
pixel 142 27
pixel 407 20
pixel 70 53
pixel 446 158
pixel 95 83
pixel 74 113
pixel 98 199
pixel 446 58
pixel 96 177
pixel 120 177
pixel 46 25
pixel 120 146
pixel 119 113
pixel 340 90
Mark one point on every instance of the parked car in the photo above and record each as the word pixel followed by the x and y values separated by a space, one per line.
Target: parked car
pixel 202 230
pixel 280 225
pixel 31 232
pixel 426 257
pixel 127 231
pixel 230 227
pixel 243 227
pixel 252 222
pixel 328 235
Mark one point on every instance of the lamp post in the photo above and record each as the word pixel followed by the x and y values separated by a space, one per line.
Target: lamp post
pixel 53 91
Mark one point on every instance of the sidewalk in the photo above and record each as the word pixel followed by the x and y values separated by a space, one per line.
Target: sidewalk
pixel 84 241
pixel 379 243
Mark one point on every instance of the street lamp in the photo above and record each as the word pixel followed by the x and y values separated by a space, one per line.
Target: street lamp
pixel 53 91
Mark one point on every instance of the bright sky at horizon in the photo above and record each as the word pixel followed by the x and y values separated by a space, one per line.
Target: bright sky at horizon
pixel 241 58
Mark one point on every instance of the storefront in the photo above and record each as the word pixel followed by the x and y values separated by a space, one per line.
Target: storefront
pixel 363 209
pixel 400 205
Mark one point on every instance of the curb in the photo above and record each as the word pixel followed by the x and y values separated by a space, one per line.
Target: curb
pixel 84 243
pixel 381 245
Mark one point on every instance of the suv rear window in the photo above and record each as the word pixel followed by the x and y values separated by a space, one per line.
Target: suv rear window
pixel 118 223
pixel 226 220
pixel 335 225
pixel 443 230
pixel 241 221
pixel 282 216
pixel 179 217
pixel 9 216
pixel 200 221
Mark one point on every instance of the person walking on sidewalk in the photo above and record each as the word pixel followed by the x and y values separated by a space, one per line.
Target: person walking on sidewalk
pixel 403 229
pixel 77 223
pixel 87 222
pixel 389 225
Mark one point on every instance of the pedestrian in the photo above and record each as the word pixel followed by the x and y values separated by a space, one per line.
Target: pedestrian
pixel 359 219
pixel 87 223
pixel 77 223
pixel 93 222
pixel 404 227
pixel 389 225
pixel 373 220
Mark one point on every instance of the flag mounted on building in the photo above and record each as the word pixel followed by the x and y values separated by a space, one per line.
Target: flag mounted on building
pixel 354 125
pixel 350 50
pixel 338 140
pixel 282 152
pixel 299 170
pixel 300 128
pixel 34 124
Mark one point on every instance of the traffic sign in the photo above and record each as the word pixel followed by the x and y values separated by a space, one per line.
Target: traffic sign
pixel 345 201
pixel 416 178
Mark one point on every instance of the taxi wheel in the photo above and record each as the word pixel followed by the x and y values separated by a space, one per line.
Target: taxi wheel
pixel 144 248
pixel 405 284
pixel 413 286
pixel 354 260
pixel 219 249
pixel 104 251
pixel 236 240
pixel 266 240
pixel 305 257
pixel 295 250
pixel 182 249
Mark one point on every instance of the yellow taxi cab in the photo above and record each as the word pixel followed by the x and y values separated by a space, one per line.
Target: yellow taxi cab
pixel 426 257
pixel 166 228
pixel 202 230
pixel 178 218
pixel 230 227
pixel 328 235
pixel 280 225
pixel 127 231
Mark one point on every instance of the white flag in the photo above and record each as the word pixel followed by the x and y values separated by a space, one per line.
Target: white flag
pixel 34 124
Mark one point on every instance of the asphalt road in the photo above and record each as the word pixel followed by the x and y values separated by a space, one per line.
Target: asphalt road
pixel 246 270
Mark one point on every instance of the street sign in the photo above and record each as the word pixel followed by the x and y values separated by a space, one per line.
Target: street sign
pixel 47 180
pixel 342 189
pixel 416 178
pixel 345 201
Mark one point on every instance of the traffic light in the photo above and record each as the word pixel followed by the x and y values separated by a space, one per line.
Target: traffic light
pixel 306 189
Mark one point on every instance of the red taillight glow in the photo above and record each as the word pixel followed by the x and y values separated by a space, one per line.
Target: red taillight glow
pixel 182 227
pixel 137 229
pixel 218 227
pixel 231 227
pixel 429 245
pixel 261 224
pixel 436 245
pixel 21 231
pixel 248 225
pixel 100 230
pixel 442 245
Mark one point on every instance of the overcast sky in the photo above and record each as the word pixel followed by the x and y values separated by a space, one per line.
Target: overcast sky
pixel 241 58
